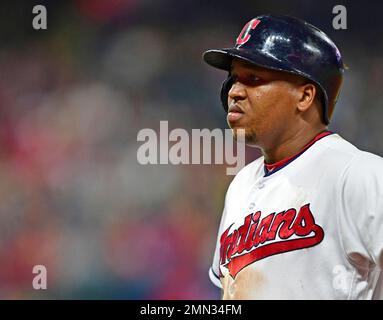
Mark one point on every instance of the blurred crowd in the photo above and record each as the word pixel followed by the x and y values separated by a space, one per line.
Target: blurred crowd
pixel 72 195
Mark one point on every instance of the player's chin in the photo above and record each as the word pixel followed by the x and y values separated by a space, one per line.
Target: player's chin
pixel 240 134
pixel 243 134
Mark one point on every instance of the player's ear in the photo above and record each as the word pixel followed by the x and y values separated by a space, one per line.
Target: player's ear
pixel 307 93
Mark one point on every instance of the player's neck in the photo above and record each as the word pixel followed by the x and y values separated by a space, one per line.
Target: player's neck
pixel 291 145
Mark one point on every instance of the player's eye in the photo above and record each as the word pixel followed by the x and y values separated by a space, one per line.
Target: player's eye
pixel 247 79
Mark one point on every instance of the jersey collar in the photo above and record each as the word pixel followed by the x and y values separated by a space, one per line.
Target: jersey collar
pixel 274 167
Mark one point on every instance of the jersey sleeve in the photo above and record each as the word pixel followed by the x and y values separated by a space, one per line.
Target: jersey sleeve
pixel 361 221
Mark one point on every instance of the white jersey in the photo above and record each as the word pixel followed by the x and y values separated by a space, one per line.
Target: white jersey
pixel 311 230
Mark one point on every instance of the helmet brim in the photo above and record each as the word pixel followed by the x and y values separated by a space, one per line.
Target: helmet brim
pixel 223 58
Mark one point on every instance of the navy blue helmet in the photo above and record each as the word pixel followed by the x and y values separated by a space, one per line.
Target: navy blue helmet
pixel 288 44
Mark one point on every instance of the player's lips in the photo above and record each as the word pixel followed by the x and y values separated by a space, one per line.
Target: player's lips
pixel 234 113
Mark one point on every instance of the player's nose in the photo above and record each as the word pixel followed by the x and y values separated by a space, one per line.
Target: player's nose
pixel 237 91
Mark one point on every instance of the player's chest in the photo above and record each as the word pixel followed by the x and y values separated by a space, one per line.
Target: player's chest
pixel 271 217
pixel 266 195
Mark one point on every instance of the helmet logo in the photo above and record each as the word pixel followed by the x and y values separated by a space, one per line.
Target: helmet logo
pixel 244 36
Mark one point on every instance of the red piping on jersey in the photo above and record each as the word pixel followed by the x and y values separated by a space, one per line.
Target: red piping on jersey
pixel 273 167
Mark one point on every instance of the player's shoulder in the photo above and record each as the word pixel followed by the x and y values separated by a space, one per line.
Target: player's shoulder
pixel 365 165
pixel 356 164
pixel 337 146
pixel 347 154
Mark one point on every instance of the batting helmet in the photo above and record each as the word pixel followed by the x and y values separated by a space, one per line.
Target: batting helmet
pixel 287 44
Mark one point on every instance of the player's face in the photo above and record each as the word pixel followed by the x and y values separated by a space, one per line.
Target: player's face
pixel 263 102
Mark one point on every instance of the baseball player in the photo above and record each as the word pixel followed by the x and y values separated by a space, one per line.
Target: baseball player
pixel 305 220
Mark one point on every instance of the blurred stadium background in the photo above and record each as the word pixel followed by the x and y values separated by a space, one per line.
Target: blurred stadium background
pixel 72 99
